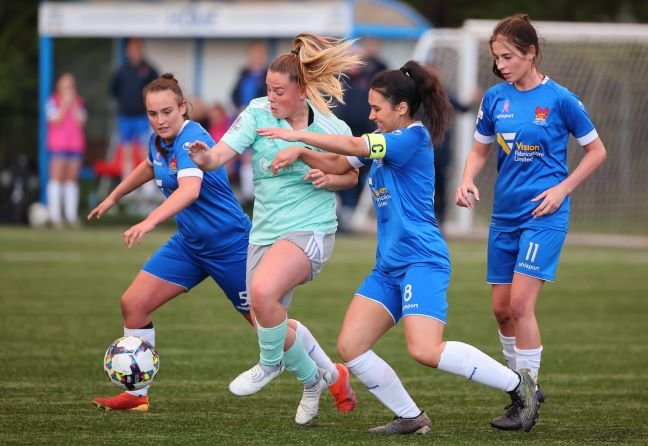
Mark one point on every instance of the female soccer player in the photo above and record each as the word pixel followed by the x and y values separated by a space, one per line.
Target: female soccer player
pixel 412 270
pixel 212 235
pixel 294 223
pixel 530 116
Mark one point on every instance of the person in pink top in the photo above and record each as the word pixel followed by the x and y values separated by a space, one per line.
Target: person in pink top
pixel 66 117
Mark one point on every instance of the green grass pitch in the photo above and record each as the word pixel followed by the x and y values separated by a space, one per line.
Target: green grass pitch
pixel 59 310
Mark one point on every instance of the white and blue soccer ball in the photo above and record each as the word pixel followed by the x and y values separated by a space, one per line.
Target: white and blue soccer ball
pixel 131 363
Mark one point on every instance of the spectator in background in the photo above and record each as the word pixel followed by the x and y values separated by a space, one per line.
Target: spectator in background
pixel 443 157
pixel 219 121
pixel 126 87
pixel 66 117
pixel 251 83
pixel 372 48
pixel 198 112
pixel 355 112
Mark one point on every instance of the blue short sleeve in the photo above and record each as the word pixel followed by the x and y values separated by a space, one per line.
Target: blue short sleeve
pixel 485 126
pixel 399 144
pixel 577 120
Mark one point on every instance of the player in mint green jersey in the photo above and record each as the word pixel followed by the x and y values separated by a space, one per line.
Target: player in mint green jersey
pixel 212 236
pixel 530 116
pixel 294 221
pixel 412 271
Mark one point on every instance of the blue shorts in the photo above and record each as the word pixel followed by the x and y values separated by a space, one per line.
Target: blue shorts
pixel 133 129
pixel 175 263
pixel 530 251
pixel 67 155
pixel 421 290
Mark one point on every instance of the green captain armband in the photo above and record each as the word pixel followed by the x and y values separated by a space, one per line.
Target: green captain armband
pixel 377 145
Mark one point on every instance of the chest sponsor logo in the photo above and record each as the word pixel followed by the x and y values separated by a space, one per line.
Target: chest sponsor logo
pixel 522 152
pixel 264 165
pixel 505 141
pixel 381 196
pixel 525 153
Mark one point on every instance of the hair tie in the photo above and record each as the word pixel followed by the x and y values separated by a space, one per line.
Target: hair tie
pixel 406 72
pixel 295 51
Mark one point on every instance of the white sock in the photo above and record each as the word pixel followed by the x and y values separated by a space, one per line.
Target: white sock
pixel 471 363
pixel 508 349
pixel 54 200
pixel 529 359
pixel 382 381
pixel 71 201
pixel 315 351
pixel 246 175
pixel 148 334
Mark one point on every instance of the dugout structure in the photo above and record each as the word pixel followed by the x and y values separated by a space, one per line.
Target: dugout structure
pixel 605 65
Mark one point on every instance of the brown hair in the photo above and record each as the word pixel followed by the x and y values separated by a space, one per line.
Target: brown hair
pixel 519 32
pixel 165 82
pixel 316 64
pixel 416 86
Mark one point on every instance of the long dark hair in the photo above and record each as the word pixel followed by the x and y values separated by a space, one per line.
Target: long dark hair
pixel 163 83
pixel 519 32
pixel 416 86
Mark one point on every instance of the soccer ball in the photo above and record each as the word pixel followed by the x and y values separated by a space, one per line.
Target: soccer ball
pixel 131 363
pixel 37 215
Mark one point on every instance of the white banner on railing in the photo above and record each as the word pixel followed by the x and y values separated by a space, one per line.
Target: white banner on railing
pixel 195 19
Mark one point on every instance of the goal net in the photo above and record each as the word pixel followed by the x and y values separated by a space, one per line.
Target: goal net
pixel 606 65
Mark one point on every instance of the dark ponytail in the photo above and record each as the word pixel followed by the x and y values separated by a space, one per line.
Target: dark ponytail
pixel 420 89
pixel 165 82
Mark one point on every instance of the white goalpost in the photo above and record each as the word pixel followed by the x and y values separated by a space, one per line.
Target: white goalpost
pixel 606 65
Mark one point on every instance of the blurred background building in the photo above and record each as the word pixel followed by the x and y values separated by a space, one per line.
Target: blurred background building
pixel 205 44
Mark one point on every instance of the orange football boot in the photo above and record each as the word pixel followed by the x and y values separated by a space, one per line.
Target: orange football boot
pixel 123 401
pixel 345 397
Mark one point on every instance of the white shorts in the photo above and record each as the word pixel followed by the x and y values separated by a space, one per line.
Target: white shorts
pixel 317 246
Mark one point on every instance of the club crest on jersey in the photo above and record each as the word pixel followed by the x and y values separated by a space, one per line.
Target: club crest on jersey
pixel 541 115
pixel 264 165
pixel 173 165
pixel 505 114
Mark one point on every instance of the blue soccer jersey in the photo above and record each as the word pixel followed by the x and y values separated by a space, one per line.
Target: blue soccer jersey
pixel 401 179
pixel 214 223
pixel 531 129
